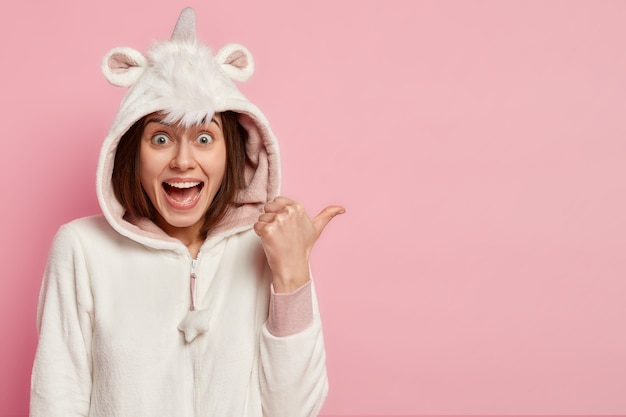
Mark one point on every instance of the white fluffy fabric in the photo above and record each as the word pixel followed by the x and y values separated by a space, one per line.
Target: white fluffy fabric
pixel 187 77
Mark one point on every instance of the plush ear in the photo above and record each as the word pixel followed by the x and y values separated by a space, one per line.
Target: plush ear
pixel 123 66
pixel 236 61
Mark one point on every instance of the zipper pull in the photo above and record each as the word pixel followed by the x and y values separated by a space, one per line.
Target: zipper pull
pixel 192 284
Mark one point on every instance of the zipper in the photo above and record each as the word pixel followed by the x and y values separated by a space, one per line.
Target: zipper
pixel 192 284
pixel 192 307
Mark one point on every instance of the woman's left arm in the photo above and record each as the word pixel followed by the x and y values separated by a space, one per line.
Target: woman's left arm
pixel 293 360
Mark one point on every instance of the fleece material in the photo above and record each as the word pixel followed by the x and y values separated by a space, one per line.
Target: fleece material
pixel 110 346
pixel 119 331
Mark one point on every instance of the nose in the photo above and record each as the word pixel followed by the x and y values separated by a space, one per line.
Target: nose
pixel 183 157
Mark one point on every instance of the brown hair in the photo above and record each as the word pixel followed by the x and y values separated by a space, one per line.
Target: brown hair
pixel 127 185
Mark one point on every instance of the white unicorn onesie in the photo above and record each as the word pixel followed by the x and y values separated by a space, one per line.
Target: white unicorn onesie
pixel 117 336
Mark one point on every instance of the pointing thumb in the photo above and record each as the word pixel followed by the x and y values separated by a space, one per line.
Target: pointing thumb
pixel 321 220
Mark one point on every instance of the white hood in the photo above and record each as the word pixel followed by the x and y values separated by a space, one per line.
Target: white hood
pixel 182 78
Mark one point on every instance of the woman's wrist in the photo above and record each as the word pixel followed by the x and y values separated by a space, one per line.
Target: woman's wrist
pixel 290 279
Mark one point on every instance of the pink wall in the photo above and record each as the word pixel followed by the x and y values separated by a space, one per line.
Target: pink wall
pixel 479 148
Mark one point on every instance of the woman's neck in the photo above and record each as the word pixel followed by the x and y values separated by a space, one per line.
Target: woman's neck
pixel 190 236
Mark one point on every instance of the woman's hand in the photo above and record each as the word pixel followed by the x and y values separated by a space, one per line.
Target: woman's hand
pixel 288 235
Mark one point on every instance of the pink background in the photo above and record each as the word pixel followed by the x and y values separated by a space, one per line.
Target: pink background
pixel 479 148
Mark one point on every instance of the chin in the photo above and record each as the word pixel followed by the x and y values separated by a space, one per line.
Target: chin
pixel 183 223
pixel 182 220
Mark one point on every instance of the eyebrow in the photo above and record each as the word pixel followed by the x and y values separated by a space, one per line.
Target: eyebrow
pixel 213 119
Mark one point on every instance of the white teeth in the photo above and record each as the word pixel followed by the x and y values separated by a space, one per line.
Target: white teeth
pixel 182 184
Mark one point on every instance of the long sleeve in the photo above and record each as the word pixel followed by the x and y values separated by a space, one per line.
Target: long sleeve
pixel 293 376
pixel 61 378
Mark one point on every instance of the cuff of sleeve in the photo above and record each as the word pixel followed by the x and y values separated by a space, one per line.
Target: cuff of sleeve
pixel 290 313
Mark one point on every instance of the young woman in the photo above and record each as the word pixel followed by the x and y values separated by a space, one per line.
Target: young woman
pixel 191 295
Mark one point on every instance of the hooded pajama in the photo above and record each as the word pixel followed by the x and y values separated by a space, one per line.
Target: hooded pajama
pixel 117 336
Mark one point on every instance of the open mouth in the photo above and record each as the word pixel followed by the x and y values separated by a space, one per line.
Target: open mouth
pixel 183 193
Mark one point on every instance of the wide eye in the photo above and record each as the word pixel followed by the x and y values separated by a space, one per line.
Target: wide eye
pixel 160 139
pixel 204 139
